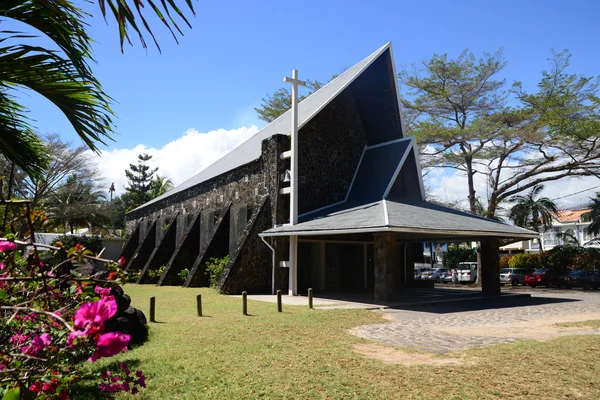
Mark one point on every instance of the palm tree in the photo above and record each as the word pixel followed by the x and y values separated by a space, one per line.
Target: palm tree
pixel 594 215
pixel 160 185
pixel 76 204
pixel 61 74
pixel 532 212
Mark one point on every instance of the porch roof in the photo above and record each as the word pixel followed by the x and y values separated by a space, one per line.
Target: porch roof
pixel 418 217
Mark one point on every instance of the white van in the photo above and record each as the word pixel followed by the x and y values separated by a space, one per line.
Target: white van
pixel 467 272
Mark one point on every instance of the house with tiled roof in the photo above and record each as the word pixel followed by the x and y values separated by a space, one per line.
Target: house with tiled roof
pixel 568 227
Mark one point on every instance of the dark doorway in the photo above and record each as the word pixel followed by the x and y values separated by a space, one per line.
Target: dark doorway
pixel 346 267
pixel 304 267
pixel 335 268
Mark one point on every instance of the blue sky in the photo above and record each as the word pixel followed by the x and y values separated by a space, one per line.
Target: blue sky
pixel 238 51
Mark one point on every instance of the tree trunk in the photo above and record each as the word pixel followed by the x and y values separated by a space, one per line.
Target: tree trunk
pixel 478 279
pixel 470 174
pixel 492 206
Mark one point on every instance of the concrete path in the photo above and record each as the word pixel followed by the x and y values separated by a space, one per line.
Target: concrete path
pixel 318 302
pixel 449 327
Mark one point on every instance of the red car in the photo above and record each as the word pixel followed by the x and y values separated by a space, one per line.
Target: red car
pixel 544 277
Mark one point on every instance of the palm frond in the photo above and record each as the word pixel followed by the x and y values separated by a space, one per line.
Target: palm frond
pixel 17 142
pixel 61 21
pixel 122 13
pixel 80 98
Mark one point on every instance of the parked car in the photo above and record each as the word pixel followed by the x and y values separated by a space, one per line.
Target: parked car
pixel 514 276
pixel 545 277
pixel 467 272
pixel 583 279
pixel 446 277
pixel 419 272
pixel 434 274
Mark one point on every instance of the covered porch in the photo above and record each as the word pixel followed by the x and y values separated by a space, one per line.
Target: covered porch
pixel 368 252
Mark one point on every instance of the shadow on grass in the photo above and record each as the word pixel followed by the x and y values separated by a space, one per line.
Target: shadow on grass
pixel 89 388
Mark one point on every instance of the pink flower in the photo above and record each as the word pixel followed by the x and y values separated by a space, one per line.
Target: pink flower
pixel 18 339
pixel 122 261
pixel 110 344
pixel 72 336
pixel 90 317
pixel 6 245
pixel 2 266
pixel 37 344
pixel 46 339
pixel 103 292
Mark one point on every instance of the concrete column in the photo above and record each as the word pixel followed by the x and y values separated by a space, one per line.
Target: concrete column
pixel 387 254
pixel 490 266
pixel 293 267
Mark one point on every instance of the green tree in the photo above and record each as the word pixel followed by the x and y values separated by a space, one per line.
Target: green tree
pixel 140 179
pixel 531 211
pixel 457 254
pixel 594 215
pixel 272 106
pixel 77 203
pixel 160 185
pixel 459 112
pixel 54 62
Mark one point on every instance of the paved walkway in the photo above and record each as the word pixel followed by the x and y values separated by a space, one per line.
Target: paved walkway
pixel 452 327
pixel 318 302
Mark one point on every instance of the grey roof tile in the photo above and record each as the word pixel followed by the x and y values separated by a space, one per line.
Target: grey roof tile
pixel 421 216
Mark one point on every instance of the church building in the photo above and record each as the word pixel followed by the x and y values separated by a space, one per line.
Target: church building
pixel 338 206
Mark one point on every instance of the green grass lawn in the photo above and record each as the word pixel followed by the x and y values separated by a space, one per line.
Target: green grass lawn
pixel 304 353
pixel 590 323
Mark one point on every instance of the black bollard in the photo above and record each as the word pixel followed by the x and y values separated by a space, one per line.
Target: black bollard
pixel 199 304
pixel 152 309
pixel 310 298
pixel 245 303
pixel 279 307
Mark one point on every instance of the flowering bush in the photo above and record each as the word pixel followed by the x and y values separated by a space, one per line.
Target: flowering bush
pixel 53 320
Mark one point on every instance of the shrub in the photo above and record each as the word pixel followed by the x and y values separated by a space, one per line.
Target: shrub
pixel 504 262
pixel 92 243
pixel 183 274
pixel 52 321
pixel 524 261
pixel 587 258
pixel 156 274
pixel 215 268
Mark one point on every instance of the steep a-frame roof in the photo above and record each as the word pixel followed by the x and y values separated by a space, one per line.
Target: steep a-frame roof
pixel 250 150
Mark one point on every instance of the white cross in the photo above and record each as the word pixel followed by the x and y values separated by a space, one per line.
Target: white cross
pixel 295 82
pixel 293 280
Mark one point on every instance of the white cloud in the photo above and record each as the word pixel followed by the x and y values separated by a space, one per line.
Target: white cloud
pixel 178 160
pixel 451 185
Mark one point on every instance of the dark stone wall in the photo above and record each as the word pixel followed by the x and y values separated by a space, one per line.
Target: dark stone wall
pixel 145 249
pixel 237 225
pixel 243 185
pixel 162 252
pixel 329 148
pixel 216 246
pixel 250 266
pixel 131 245
pixel 247 185
pixel 185 253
